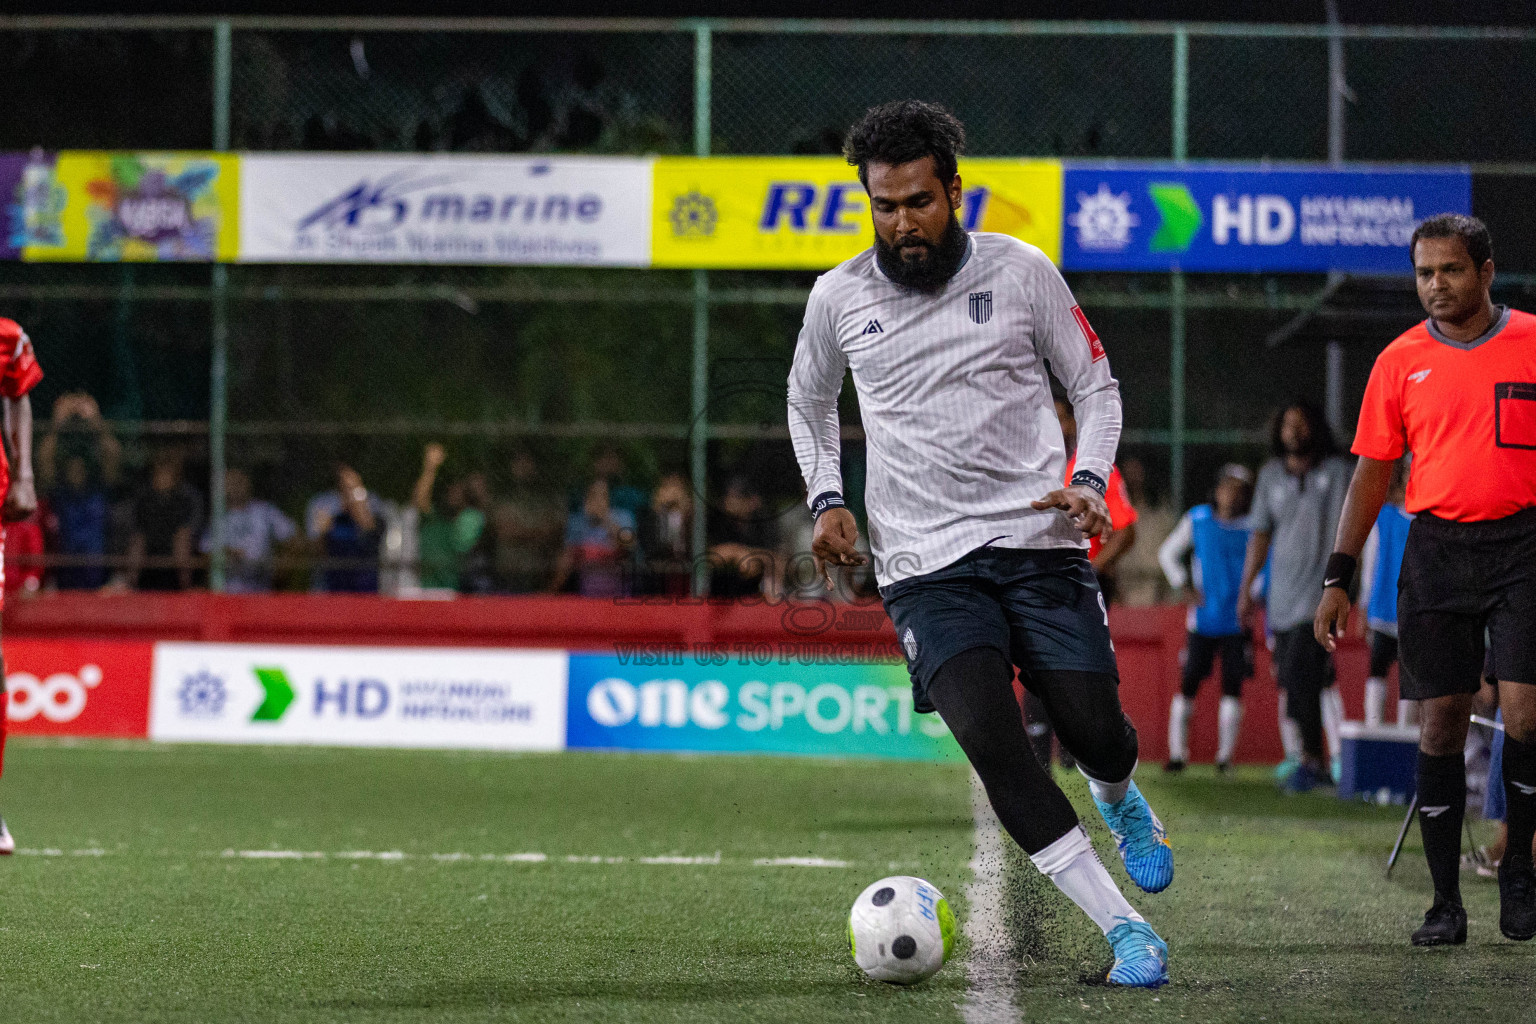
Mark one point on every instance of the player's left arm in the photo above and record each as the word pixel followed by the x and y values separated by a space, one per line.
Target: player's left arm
pixel 21 499
pixel 1064 337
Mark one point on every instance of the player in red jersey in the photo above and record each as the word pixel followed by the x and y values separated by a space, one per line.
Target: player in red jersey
pixel 1459 392
pixel 19 374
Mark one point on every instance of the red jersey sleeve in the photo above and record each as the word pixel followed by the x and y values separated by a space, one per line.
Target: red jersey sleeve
pixel 1380 433
pixel 19 372
pixel 1121 512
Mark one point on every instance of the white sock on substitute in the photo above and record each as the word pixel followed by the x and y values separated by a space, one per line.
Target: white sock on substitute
pixel 1407 712
pixel 1290 733
pixel 1333 715
pixel 1108 792
pixel 1074 866
pixel 1375 700
pixel 1229 719
pixel 1179 710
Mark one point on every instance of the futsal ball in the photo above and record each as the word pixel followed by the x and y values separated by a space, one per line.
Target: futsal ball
pixel 901 930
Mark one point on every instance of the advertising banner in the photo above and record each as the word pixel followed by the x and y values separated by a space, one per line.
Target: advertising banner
pixel 775 704
pixel 359 696
pixel 131 207
pixel 553 211
pixel 77 687
pixel 811 212
pixel 1240 220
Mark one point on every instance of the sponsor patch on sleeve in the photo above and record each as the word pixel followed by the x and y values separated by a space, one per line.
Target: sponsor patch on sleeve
pixel 1095 346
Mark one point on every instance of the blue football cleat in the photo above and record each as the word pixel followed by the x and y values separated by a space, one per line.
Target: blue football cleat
pixel 1142 839
pixel 1141 958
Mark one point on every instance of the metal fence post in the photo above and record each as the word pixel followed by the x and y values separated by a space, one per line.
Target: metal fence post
pixel 218 363
pixel 1333 381
pixel 1176 296
pixel 699 453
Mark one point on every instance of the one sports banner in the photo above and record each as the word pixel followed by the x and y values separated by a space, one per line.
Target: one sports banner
pixel 380 208
pixel 89 206
pixel 1160 217
pixel 359 696
pixel 812 213
pixel 719 704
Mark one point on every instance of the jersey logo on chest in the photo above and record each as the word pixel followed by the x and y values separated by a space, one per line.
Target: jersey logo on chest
pixel 981 307
pixel 873 328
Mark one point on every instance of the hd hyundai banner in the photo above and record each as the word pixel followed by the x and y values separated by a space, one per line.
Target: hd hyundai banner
pixel 359 696
pixel 553 211
pixel 1242 219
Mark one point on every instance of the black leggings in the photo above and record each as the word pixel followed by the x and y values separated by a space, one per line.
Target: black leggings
pixel 973 692
pixel 1200 656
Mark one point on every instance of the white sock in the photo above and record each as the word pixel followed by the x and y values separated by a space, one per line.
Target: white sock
pixel 1229 718
pixel 1290 733
pixel 1074 866
pixel 1108 792
pixel 1407 712
pixel 1375 700
pixel 1333 715
pixel 1179 710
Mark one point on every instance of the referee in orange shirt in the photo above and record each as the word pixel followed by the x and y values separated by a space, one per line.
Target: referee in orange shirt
pixel 1459 392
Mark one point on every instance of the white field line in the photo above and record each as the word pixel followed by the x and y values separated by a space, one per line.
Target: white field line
pixel 715 859
pixel 989 991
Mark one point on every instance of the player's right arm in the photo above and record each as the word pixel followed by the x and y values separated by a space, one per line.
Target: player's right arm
pixel 1380 440
pixel 1173 550
pixel 1261 524
pixel 815 380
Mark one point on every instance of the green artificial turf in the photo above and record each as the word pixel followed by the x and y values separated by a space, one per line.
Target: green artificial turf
pixel 145 910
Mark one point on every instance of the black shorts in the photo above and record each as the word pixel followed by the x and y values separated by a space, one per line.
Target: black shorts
pixel 1041 607
pixel 1200 655
pixel 1302 665
pixel 1383 653
pixel 1459 579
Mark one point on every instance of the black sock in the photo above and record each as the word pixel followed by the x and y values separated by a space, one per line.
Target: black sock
pixel 1519 771
pixel 1442 804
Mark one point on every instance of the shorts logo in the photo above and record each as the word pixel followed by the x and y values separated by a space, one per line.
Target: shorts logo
pixel 1095 346
pixel 873 328
pixel 1522 787
pixel 981 307
pixel 909 644
pixel 1434 812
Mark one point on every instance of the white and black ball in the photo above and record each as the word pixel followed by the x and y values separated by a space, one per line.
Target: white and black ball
pixel 901 930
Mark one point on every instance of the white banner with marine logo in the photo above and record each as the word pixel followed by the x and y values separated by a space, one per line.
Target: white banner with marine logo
pixel 380 208
pixel 359 696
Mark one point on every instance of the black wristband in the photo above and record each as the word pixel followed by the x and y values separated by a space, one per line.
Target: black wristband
pixel 826 500
pixel 1086 479
pixel 1340 572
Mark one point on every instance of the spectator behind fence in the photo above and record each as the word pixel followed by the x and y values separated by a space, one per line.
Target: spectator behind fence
pixel 608 466
pixel 347 526
pixel 666 536
pixel 254 531
pixel 741 544
pixel 598 541
pixel 525 531
pixel 167 515
pixel 446 533
pixel 77 465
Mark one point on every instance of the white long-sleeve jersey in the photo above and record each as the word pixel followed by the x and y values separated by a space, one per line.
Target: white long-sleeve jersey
pixel 956 405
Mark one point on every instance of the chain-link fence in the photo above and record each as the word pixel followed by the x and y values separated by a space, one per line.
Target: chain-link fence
pixel 364 367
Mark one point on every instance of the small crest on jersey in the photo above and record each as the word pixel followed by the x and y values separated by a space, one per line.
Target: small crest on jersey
pixel 873 328
pixel 909 643
pixel 981 307
pixel 1095 346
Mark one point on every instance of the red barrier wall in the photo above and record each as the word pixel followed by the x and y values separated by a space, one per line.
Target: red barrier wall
pixel 1147 640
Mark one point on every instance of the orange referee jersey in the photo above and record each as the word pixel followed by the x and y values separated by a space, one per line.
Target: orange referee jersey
pixel 1467 412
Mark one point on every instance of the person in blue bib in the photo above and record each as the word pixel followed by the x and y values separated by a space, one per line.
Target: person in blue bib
pixel 1213 539
pixel 1380 563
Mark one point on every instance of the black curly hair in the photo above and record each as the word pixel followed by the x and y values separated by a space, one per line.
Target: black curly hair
pixel 907 130
pixel 1321 442
pixel 1472 232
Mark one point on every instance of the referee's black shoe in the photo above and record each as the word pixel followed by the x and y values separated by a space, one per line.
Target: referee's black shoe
pixel 1517 897
pixel 1444 925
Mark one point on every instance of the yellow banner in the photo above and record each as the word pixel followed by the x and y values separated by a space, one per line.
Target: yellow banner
pixel 811 212
pixel 141 207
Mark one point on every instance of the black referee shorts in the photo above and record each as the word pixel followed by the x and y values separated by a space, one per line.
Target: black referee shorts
pixel 1459 579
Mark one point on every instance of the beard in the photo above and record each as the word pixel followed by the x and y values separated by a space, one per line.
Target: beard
pixel 930 271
